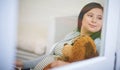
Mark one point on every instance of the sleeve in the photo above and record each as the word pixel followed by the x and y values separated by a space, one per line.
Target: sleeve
pixel 47 60
pixel 56 48
pixel 32 63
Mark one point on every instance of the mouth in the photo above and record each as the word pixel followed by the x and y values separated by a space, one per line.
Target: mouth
pixel 92 26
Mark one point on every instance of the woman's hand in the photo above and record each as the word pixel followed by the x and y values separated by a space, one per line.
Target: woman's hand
pixel 55 64
pixel 58 63
pixel 19 64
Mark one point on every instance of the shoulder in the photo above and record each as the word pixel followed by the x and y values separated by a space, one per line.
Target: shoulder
pixel 97 40
pixel 72 34
pixel 98 44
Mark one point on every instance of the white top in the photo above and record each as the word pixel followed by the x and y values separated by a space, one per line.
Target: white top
pixel 56 50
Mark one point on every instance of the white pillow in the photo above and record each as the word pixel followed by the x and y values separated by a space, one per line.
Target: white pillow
pixel 37 47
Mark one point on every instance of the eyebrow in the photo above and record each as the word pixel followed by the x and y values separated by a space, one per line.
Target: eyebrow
pixel 93 13
pixel 100 15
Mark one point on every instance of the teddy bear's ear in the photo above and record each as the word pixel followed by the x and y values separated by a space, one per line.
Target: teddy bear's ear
pixel 78 50
pixel 90 50
pixel 66 52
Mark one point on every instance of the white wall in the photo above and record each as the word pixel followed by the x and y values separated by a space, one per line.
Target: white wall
pixel 37 18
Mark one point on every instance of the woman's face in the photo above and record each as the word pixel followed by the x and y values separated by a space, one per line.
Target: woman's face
pixel 92 20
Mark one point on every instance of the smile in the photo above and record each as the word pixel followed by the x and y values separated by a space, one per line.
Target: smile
pixel 93 26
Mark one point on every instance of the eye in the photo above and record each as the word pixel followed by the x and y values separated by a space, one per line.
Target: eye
pixel 100 18
pixel 90 15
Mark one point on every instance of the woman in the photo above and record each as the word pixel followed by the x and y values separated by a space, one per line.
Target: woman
pixel 89 23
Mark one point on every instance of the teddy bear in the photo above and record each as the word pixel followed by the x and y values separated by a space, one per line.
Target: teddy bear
pixel 82 48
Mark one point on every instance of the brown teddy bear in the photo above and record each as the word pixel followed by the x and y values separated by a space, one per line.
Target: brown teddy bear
pixel 82 48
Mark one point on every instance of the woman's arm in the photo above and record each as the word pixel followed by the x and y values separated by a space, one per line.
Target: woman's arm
pixel 30 63
pixel 33 63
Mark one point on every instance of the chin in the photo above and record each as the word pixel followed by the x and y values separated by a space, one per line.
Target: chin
pixel 93 30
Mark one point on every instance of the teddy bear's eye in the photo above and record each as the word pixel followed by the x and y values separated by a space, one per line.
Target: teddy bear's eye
pixel 65 44
pixel 72 44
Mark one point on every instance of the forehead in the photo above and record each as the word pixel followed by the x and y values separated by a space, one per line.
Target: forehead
pixel 96 11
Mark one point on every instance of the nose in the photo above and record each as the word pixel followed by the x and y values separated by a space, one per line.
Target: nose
pixel 94 20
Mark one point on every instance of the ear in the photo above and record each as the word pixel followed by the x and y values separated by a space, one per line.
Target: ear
pixel 90 52
pixel 67 50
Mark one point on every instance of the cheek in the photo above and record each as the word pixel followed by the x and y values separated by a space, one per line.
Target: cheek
pixel 84 20
pixel 85 23
pixel 99 26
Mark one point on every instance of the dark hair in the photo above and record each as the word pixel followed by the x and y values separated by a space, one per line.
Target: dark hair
pixel 84 10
